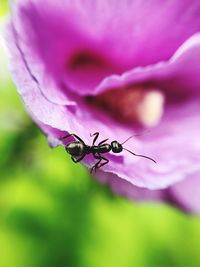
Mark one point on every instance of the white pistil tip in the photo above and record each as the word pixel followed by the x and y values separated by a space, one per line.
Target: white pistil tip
pixel 150 109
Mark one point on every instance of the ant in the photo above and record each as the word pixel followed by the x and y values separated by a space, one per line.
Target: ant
pixel 78 150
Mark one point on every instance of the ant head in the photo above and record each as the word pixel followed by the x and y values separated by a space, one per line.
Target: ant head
pixel 116 147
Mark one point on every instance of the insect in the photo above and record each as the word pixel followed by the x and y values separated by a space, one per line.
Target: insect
pixel 78 150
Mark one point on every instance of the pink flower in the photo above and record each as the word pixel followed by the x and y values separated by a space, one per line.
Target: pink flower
pixel 111 67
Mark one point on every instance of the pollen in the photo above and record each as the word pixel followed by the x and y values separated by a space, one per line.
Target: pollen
pixel 150 109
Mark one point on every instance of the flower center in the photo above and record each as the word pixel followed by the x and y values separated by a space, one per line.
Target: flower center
pixel 132 105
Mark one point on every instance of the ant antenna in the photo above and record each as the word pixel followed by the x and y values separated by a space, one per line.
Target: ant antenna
pixel 140 155
pixel 134 136
pixel 128 139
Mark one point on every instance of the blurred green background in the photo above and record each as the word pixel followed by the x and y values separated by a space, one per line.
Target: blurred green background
pixel 52 213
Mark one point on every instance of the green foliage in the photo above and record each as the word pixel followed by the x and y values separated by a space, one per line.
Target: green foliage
pixel 52 213
pixel 3 7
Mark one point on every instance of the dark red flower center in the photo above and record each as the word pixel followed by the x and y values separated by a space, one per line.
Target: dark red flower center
pixel 132 104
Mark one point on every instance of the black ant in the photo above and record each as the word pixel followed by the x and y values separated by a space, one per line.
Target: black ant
pixel 78 150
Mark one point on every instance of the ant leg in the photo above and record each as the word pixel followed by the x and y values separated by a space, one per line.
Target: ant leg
pixel 95 138
pixel 74 135
pixel 102 164
pixel 94 168
pixel 101 143
pixel 98 165
pixel 77 160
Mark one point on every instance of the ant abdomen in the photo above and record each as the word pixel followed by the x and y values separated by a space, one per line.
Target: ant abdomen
pixel 75 149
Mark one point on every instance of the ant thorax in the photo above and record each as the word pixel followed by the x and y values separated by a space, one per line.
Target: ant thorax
pixel 104 148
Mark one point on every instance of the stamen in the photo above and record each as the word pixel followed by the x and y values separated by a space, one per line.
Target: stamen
pixel 150 109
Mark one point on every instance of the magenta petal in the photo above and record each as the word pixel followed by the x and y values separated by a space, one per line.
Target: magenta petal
pixel 124 188
pixel 186 193
pixel 62 46
pixel 82 39
pixel 74 116
pixel 80 45
pixel 180 72
pixel 183 195
pixel 137 171
pixel 134 31
pixel 174 144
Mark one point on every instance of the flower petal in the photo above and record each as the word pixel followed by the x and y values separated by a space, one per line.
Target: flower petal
pixel 183 195
pixel 186 193
pixel 179 160
pixel 124 188
pixel 73 117
pixel 89 42
pixel 181 72
pixel 170 144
